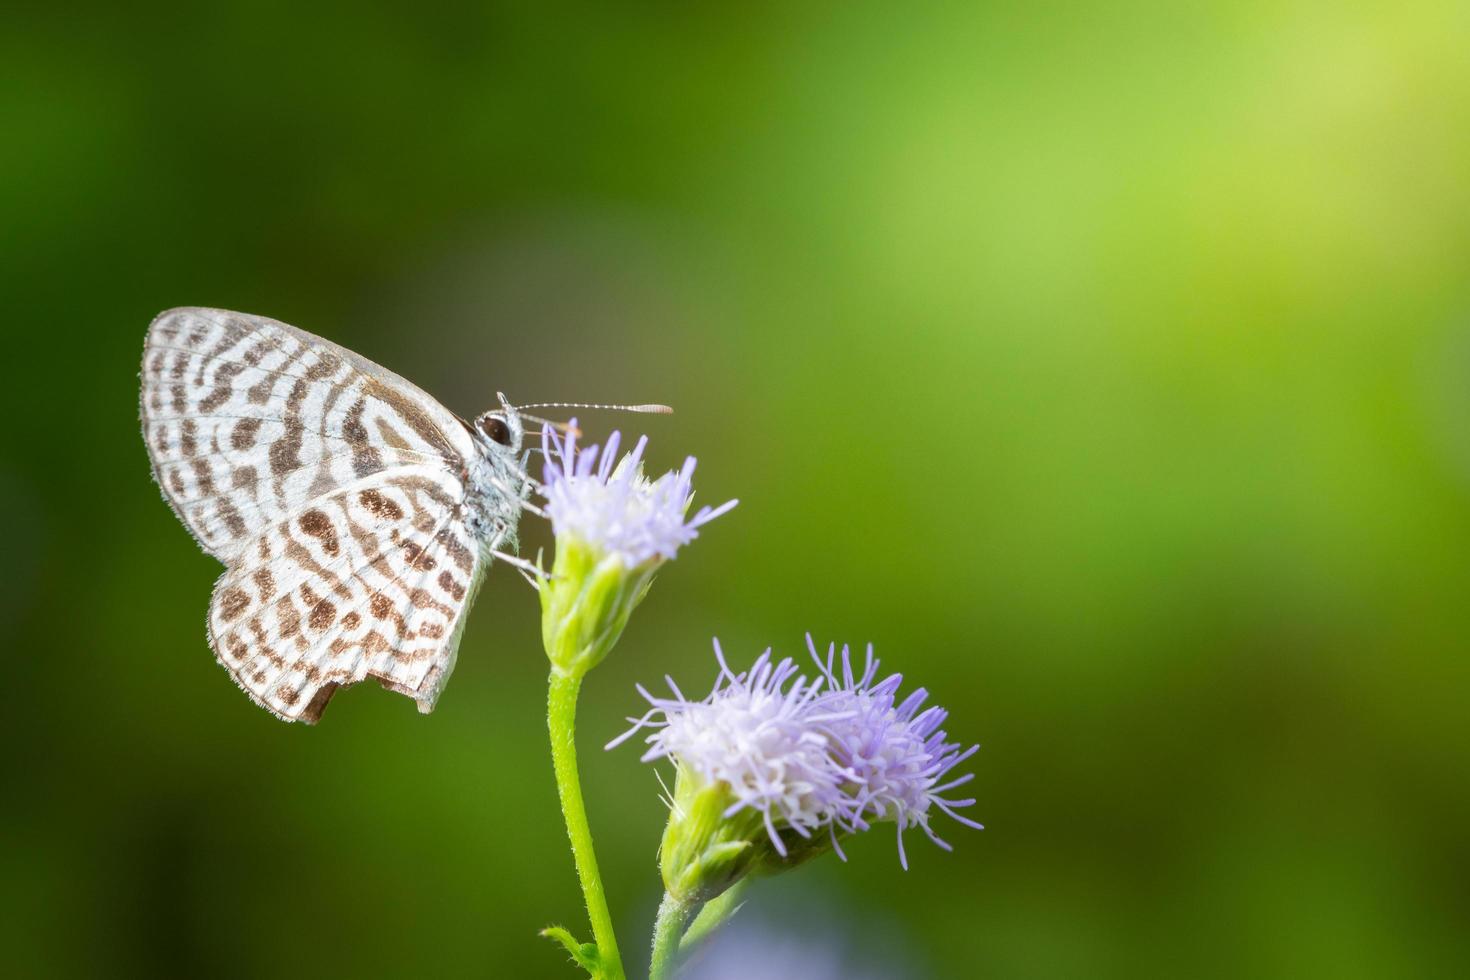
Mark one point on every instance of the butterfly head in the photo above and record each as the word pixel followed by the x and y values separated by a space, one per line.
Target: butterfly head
pixel 501 429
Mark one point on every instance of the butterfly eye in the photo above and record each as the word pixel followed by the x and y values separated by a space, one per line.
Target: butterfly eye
pixel 496 429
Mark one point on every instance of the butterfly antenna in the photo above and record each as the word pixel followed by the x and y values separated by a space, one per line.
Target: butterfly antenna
pixel 565 428
pixel 642 409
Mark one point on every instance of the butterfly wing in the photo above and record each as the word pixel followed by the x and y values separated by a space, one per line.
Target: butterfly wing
pixel 247 420
pixel 371 580
pixel 334 492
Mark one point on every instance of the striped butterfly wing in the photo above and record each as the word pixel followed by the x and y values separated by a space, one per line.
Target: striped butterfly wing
pixel 373 579
pixel 248 419
pixel 333 491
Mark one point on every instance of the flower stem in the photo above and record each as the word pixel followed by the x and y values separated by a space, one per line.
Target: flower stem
pixel 673 915
pixel 712 916
pixel 561 718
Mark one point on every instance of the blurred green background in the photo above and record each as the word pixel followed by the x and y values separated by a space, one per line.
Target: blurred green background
pixel 1107 365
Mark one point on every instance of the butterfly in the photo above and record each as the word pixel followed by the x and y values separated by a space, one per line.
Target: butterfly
pixel 355 515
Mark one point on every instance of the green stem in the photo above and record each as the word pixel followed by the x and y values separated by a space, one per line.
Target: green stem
pixel 561 718
pixel 673 915
pixel 712 916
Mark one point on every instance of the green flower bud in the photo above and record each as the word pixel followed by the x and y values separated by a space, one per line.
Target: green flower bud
pixel 586 603
pixel 614 528
pixel 703 851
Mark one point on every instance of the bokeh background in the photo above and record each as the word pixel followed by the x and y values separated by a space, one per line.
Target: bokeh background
pixel 1106 364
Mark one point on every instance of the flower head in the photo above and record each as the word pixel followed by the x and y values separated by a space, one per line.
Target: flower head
pixel 611 507
pixel 793 764
pixel 757 735
pixel 614 529
pixel 894 754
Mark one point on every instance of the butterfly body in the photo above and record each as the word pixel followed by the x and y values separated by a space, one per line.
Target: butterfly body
pixel 356 516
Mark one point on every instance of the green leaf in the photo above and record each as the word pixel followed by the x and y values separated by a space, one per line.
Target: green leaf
pixel 584 954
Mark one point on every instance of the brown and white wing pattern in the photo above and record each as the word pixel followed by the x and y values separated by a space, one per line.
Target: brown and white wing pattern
pixel 372 580
pixel 246 419
pixel 334 491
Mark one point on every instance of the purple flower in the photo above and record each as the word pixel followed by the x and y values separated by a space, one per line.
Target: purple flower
pixel 894 755
pixel 756 735
pixel 837 753
pixel 611 507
